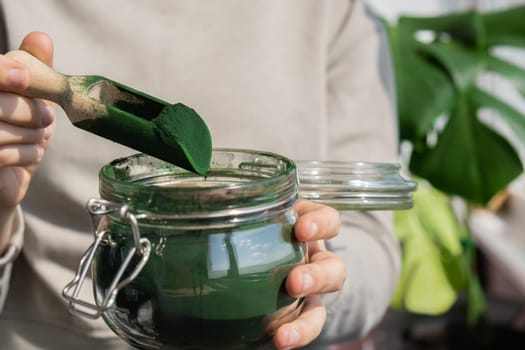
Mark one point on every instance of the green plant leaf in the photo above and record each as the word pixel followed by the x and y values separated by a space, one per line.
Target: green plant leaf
pixel 423 286
pixel 469 159
pixel 461 64
pixel 505 27
pixel 424 92
pixel 509 114
pixel 436 216
pixel 464 27
pixel 434 269
pixel 514 74
pixel 439 77
pixel 429 291
pixel 406 226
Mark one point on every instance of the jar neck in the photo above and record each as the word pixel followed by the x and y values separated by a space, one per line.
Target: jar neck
pixel 240 184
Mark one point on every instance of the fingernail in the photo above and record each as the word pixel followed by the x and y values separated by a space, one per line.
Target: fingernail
pixel 313 230
pixel 292 337
pixel 308 282
pixel 16 78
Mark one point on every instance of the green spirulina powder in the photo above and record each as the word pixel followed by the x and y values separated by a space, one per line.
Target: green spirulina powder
pixel 173 133
pixel 179 126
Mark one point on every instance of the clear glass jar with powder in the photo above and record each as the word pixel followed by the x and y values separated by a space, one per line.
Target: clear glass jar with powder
pixel 182 261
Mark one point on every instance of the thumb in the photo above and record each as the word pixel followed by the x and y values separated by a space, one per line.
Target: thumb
pixel 13 75
pixel 39 45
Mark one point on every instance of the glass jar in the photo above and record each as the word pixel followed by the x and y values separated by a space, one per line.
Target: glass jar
pixel 355 185
pixel 183 261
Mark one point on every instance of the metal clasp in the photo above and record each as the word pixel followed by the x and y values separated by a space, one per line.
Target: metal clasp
pixel 99 208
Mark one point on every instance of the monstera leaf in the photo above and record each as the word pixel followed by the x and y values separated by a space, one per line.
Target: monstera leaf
pixel 438 79
pixel 437 257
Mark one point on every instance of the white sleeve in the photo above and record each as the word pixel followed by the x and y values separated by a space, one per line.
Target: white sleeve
pixel 371 254
pixel 12 252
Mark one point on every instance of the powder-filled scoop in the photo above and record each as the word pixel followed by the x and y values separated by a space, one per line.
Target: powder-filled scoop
pixel 174 133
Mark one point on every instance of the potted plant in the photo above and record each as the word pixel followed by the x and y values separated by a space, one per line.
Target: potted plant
pixel 454 154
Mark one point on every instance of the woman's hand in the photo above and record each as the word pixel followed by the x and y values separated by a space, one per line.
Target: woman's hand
pixel 26 126
pixel 324 273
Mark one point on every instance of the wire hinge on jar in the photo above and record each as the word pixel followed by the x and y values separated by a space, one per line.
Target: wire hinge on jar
pixel 142 247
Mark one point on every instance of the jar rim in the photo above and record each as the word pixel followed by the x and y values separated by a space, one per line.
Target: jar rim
pixel 355 185
pixel 350 167
pixel 239 180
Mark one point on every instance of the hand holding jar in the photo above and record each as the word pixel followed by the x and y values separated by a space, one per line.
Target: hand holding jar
pixel 231 260
pixel 324 273
pixel 224 261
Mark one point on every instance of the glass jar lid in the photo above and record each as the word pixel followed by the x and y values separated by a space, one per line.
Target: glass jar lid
pixel 355 185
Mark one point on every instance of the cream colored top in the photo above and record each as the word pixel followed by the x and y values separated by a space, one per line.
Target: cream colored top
pixel 302 78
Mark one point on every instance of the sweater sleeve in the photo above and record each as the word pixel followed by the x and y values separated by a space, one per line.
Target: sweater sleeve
pixel 371 254
pixel 6 260
pixel 361 127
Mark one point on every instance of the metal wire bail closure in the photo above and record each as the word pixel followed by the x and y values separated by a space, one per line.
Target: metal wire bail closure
pixel 98 208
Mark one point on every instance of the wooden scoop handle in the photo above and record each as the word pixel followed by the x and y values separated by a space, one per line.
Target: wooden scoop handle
pixel 45 82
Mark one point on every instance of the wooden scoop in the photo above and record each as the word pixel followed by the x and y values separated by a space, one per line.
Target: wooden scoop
pixel 174 133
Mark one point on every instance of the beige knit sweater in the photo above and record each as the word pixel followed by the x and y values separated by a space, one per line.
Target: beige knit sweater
pixel 302 78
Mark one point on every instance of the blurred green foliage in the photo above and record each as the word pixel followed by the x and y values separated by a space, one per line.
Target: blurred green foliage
pixel 439 78
pixel 438 94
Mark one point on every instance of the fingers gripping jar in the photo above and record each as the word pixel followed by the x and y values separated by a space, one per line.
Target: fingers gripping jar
pixel 182 261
